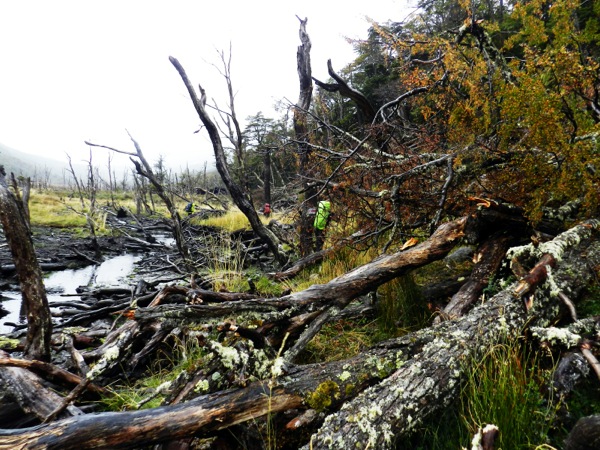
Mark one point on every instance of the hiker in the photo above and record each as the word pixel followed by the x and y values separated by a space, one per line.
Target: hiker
pixel 322 217
pixel 267 210
pixel 190 208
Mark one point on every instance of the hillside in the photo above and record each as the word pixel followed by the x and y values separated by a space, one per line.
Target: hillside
pixel 34 166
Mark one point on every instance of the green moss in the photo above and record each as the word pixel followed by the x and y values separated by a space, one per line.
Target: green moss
pixel 9 344
pixel 590 304
pixel 323 396
pixel 350 388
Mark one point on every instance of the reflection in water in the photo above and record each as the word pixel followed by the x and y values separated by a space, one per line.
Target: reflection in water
pixel 112 272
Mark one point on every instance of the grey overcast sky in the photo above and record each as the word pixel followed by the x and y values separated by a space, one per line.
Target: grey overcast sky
pixel 75 70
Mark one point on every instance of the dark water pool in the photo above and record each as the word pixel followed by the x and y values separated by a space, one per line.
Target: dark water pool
pixel 62 284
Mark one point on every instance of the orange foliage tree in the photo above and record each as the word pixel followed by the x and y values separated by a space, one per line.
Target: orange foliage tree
pixel 473 114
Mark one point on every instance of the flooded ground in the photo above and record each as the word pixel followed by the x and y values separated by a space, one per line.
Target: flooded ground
pixel 62 286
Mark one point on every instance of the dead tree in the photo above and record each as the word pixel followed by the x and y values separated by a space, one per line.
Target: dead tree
pixel 89 211
pixel 144 169
pixel 302 135
pixel 18 237
pixel 239 196
pixel 22 198
pixel 364 105
pixel 386 391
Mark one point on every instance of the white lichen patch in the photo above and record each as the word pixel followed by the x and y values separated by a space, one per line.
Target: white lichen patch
pixel 502 325
pixel 111 354
pixel 555 335
pixel 262 365
pixel 520 251
pixel 344 375
pixel 569 238
pixel 201 386
pixel 163 387
pixel 277 368
pixel 551 283
pixel 230 357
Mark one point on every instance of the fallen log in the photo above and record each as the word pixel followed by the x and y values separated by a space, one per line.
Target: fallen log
pixel 489 257
pixel 337 293
pixel 585 435
pixel 49 371
pixel 29 392
pixel 387 391
pixel 430 380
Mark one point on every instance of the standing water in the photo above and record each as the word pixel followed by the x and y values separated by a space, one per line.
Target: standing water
pixel 112 272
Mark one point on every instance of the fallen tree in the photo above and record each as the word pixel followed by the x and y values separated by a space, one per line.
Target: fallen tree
pixel 372 399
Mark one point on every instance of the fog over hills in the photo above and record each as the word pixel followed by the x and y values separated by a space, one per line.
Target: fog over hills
pixel 35 166
pixel 56 172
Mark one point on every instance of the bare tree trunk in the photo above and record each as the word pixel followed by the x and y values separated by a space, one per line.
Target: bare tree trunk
pixel 267 176
pixel 241 199
pixel 144 169
pixel 301 131
pixel 39 321
pixel 90 212
pixel 23 199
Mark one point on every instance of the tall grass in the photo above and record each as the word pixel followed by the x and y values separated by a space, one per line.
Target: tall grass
pixel 400 306
pixel 508 388
pixel 233 220
pixel 226 260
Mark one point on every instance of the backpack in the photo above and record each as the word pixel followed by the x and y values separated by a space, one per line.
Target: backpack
pixel 188 207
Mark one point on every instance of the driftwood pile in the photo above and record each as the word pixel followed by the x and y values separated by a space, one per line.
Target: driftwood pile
pixel 249 372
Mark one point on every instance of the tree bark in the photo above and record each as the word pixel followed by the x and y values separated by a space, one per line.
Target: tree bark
pixel 301 132
pixel 490 255
pixel 267 176
pixel 585 435
pixel 18 237
pixel 28 391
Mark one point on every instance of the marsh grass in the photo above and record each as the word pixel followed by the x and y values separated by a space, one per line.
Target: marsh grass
pixel 341 340
pixel 226 262
pixel 508 387
pixel 400 307
pixel 145 393
pixel 51 210
pixel 233 220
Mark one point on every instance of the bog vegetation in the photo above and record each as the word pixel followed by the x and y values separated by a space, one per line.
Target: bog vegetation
pixel 482 110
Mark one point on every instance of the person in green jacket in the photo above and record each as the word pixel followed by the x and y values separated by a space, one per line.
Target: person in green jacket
pixel 190 208
pixel 322 217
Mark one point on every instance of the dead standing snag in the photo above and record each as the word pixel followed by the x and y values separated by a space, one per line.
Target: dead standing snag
pixel 144 169
pixel 240 198
pixel 16 231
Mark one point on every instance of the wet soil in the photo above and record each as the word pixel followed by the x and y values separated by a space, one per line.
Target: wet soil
pixel 59 249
